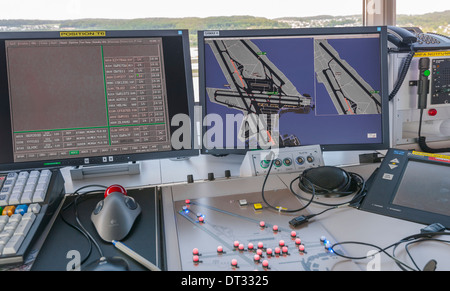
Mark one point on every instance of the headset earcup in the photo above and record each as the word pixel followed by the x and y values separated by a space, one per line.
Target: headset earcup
pixel 327 180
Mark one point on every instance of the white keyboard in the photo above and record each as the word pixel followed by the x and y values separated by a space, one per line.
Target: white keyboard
pixel 25 187
pixel 23 208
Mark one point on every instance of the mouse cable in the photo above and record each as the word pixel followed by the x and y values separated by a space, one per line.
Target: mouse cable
pixel 409 240
pixel 81 228
pixel 279 208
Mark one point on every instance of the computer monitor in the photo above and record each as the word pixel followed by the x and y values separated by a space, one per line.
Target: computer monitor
pixel 323 86
pixel 92 97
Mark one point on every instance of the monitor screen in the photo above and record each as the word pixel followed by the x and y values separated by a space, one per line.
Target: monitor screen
pixel 76 98
pixel 321 86
pixel 432 196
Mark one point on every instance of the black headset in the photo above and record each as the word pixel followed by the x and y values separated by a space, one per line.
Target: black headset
pixel 331 181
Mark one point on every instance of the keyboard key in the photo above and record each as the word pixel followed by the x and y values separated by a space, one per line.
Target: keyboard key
pixel 34 174
pixel 15 217
pixel 13 245
pixel 29 216
pixel 27 197
pixel 21 209
pixel 29 187
pixel 4 219
pixel 23 175
pixel 6 190
pixel 23 227
pixel 11 225
pixel 14 198
pixel 9 210
pixel 39 196
pixel 4 199
pixel 34 208
pixel 12 176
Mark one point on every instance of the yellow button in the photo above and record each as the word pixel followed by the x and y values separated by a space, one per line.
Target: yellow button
pixel 257 206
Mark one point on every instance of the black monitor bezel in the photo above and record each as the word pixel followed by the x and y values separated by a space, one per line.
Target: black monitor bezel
pixel 381 30
pixel 122 158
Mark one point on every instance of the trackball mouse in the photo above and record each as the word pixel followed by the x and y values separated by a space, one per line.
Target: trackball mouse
pixel 108 264
pixel 114 216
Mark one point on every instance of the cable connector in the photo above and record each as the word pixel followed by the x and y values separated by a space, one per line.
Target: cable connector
pixel 299 220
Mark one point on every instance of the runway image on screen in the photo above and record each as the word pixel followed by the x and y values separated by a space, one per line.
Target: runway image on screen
pixel 325 89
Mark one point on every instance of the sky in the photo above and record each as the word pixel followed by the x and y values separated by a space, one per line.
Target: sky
pixel 129 9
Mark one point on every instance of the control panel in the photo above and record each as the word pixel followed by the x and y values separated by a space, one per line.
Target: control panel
pixel 237 233
pixel 412 186
pixel 284 160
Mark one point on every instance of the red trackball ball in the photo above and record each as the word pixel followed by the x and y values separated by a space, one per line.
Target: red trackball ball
pixel 115 188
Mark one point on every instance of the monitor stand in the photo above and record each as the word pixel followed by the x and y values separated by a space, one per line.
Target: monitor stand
pixel 81 172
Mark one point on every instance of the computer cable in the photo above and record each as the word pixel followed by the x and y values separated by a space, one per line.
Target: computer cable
pixel 280 208
pixel 356 185
pixel 408 241
pixel 80 228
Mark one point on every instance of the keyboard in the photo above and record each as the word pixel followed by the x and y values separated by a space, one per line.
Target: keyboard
pixel 28 202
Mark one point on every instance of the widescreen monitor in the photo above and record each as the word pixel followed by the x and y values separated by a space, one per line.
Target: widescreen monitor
pixel 322 86
pixel 92 97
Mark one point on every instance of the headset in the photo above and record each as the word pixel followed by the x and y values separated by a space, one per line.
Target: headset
pixel 330 181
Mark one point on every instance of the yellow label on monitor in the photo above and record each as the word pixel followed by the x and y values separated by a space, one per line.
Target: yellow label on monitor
pixel 432 54
pixel 82 33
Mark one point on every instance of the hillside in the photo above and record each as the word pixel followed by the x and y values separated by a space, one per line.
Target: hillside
pixel 431 22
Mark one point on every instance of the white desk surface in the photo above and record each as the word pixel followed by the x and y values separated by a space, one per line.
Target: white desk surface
pixel 345 224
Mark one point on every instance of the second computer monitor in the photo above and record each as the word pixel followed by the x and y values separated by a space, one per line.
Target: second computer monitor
pixel 325 86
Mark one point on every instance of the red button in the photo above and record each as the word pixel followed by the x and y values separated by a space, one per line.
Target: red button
pixel 220 249
pixel 196 259
pixel 293 234
pixel 275 228
pixel 195 251
pixel 115 188
pixel 256 258
pixel 262 224
pixel 432 112
pixel 301 248
pixel 269 251
pixel 234 262
pixel 265 263
pixel 298 241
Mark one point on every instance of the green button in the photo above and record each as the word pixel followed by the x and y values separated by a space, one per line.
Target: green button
pixel 74 153
pixel 427 73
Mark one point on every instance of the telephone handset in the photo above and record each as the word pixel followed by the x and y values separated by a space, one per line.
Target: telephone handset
pixel 413 38
pixel 401 37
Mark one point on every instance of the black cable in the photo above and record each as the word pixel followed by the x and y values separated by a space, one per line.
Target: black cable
pixel 412 239
pixel 81 228
pixel 403 73
pixel 279 208
pixel 422 139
